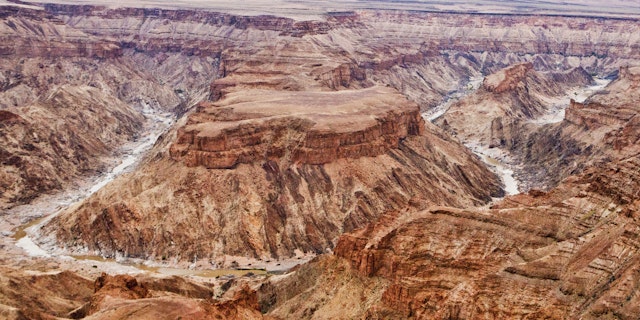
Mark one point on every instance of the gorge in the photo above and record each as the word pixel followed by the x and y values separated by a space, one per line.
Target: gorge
pixel 350 163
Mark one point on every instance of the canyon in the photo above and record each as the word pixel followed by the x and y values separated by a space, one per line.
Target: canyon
pixel 355 163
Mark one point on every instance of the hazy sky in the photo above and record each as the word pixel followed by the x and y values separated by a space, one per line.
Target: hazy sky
pixel 315 7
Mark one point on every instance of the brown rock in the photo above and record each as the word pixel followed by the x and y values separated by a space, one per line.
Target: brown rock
pixel 568 253
pixel 302 128
pixel 507 79
pixel 29 294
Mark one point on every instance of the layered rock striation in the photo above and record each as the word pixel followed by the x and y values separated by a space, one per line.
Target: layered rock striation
pixel 601 128
pixel 298 127
pixel 47 144
pixel 274 174
pixel 506 101
pixel 280 160
pixel 563 254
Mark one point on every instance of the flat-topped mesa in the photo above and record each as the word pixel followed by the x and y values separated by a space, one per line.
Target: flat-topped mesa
pixel 297 127
pixel 507 79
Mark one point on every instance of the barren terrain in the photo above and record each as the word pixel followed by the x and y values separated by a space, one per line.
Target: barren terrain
pixel 319 159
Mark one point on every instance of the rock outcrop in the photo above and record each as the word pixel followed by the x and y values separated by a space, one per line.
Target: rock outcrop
pixel 602 128
pixel 50 143
pixel 269 175
pixel 301 128
pixel 566 253
pixel 30 294
pixel 31 32
pixel 507 79
pixel 569 253
pixel 124 297
pixel 506 103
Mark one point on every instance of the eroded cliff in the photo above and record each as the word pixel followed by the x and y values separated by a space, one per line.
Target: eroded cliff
pixel 273 178
pixel 313 130
pixel 563 254
pixel 296 127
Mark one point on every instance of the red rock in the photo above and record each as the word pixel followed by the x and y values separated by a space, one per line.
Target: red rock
pixel 309 128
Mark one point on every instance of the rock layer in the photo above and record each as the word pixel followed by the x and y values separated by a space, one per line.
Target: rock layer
pixel 254 182
pixel 506 102
pixel 48 144
pixel 569 253
pixel 269 208
pixel 302 128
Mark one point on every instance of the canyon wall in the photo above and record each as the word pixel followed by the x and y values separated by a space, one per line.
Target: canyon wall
pixel 563 254
pixel 279 207
pixel 279 159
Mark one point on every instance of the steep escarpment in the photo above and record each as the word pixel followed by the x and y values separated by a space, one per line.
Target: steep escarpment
pixel 341 164
pixel 77 113
pixel 48 144
pixel 506 101
pixel 563 254
pixel 601 128
pixel 301 128
pixel 30 32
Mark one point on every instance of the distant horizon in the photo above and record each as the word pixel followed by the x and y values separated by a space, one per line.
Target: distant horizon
pixel 307 9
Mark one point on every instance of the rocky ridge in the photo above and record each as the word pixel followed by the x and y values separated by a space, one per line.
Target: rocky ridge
pixel 601 129
pixel 507 101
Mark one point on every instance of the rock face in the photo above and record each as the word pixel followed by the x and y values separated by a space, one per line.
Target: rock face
pixel 568 253
pixel 30 294
pixel 271 204
pixel 265 170
pixel 602 128
pixel 49 143
pixel 32 32
pixel 301 128
pixel 124 297
pixel 68 105
pixel 312 131
pixel 507 79
pixel 41 295
pixel 506 102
